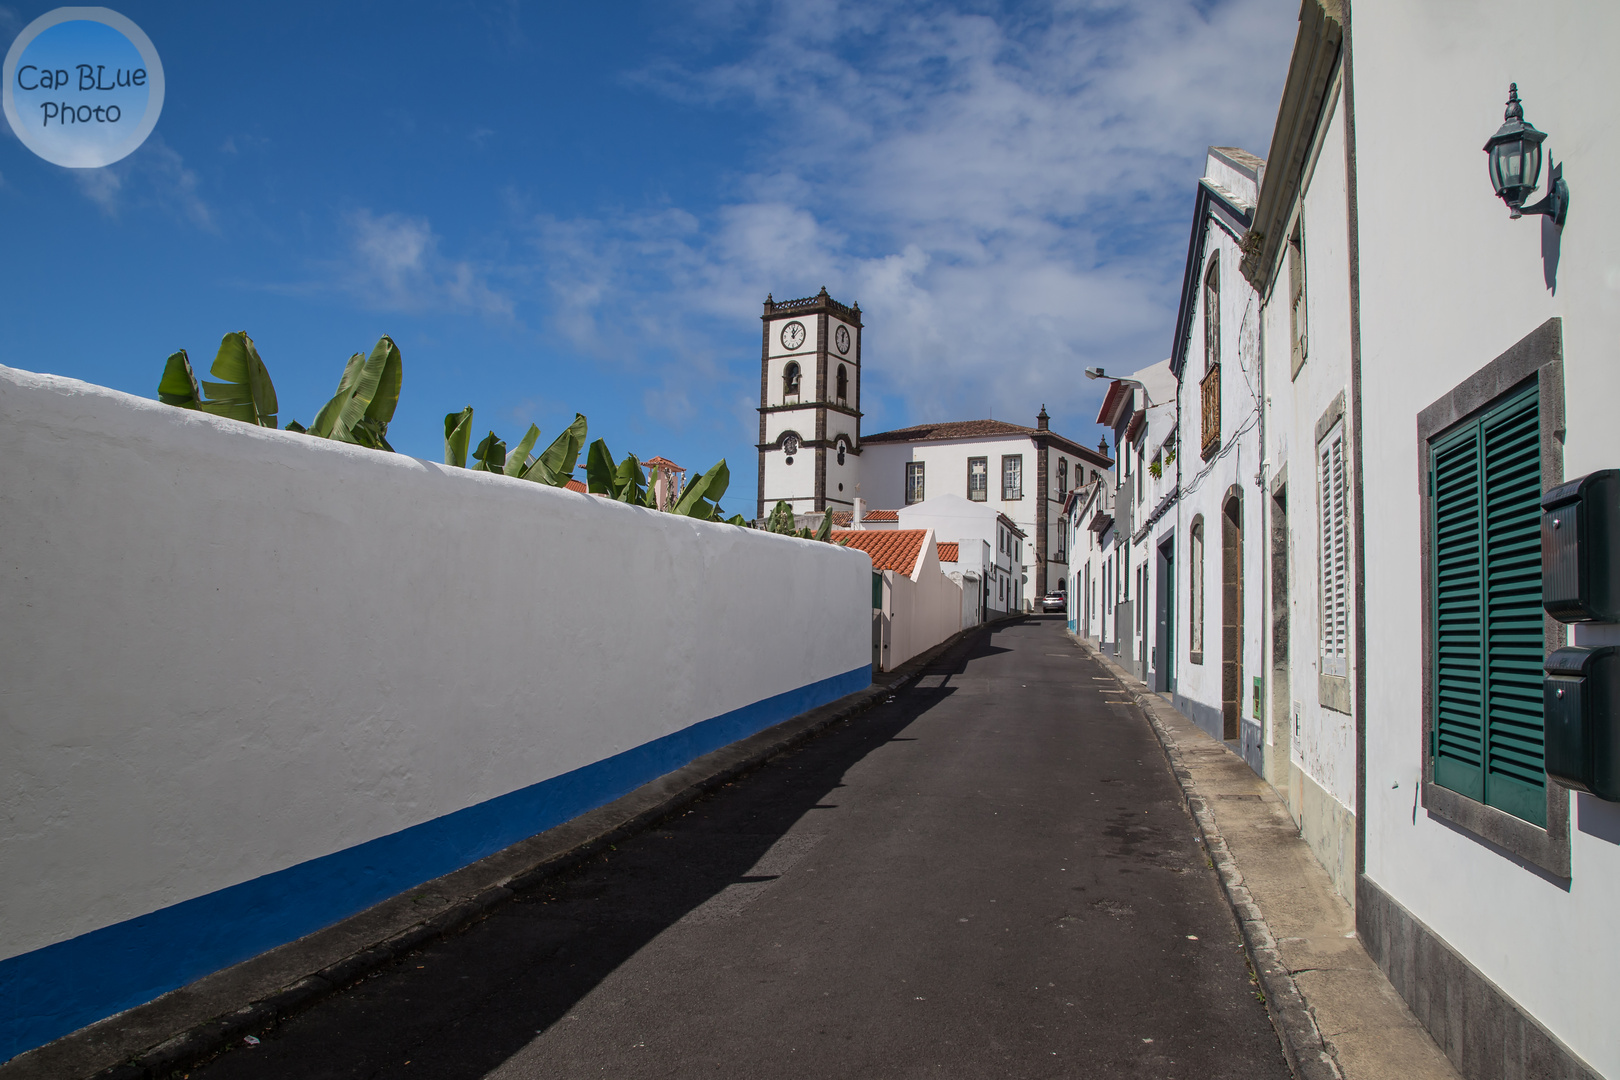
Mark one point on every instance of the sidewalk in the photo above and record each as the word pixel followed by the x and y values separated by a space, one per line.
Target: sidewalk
pixel 1336 1013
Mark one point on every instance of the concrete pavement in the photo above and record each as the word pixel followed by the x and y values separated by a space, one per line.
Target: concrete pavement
pixel 993 875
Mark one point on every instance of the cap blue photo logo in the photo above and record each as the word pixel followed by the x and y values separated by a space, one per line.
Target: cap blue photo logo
pixel 83 87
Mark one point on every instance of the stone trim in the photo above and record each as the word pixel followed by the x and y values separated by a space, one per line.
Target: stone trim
pixel 1484 1032
pixel 1538 355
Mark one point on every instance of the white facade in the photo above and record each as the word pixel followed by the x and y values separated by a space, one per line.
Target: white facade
pixel 1221 548
pixel 1446 289
pixel 976 527
pixel 261 684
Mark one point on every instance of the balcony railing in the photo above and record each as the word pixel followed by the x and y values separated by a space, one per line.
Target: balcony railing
pixel 1210 391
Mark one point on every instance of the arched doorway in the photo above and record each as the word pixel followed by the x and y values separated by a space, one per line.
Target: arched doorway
pixel 1231 612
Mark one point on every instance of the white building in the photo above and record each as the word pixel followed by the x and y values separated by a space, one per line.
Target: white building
pixel 1136 565
pixel 978 528
pixel 1433 364
pixel 1215 357
pixel 920 604
pixel 813 455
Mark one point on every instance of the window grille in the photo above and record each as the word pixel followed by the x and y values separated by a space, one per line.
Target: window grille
pixel 1012 476
pixel 978 479
pixel 914 482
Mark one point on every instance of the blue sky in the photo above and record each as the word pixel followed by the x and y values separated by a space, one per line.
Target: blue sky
pixel 561 207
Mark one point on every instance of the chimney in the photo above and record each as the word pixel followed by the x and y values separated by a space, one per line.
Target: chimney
pixel 860 513
pixel 1043 422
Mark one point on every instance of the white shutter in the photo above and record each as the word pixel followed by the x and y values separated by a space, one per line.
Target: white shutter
pixel 1335 555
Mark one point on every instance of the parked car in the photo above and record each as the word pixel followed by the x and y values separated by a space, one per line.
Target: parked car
pixel 1054 601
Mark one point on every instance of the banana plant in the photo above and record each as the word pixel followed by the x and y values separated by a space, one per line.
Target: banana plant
pixel 490 455
pixel 624 482
pixel 701 499
pixel 243 393
pixel 457 433
pixel 781 520
pixel 366 397
pixel 556 464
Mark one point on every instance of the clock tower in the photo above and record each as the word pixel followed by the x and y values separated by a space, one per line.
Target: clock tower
pixel 809 404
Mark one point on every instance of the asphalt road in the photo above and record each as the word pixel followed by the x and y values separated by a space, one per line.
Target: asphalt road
pixel 991 876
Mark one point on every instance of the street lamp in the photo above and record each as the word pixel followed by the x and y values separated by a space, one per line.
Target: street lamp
pixel 1099 373
pixel 1515 165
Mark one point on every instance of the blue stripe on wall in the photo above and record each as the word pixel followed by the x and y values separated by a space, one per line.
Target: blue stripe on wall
pixel 52 991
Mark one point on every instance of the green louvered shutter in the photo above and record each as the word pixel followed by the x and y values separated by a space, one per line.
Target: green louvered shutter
pixel 1515 779
pixel 1459 713
pixel 1485 486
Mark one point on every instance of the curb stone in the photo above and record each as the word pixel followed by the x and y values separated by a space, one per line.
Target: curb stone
pixel 1307 1053
pixel 477 888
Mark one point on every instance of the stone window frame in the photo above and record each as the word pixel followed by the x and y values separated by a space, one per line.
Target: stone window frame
pixel 1012 493
pixel 916 480
pixel 1539 356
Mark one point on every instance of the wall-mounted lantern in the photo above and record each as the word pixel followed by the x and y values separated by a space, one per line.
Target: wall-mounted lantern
pixel 1515 165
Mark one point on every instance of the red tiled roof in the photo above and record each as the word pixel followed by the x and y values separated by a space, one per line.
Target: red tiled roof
pixel 657 461
pixel 882 515
pixel 575 485
pixel 891 549
pixel 843 518
pixel 982 429
pixel 947 552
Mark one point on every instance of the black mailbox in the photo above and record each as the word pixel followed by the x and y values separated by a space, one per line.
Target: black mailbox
pixel 1581 698
pixel 1580 531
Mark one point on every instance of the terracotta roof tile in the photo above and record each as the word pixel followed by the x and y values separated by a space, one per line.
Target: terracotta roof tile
pixel 575 485
pixel 882 515
pixel 891 549
pixel 948 552
pixel 843 518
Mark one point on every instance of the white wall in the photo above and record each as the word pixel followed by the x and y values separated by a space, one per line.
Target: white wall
pixel 1448 283
pixel 926 606
pixel 229 653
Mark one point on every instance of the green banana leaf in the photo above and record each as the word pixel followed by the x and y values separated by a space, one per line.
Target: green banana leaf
pixel 179 383
pixel 824 530
pixel 556 465
pixel 517 462
pixel 244 391
pixel 457 433
pixel 781 519
pixel 702 494
pixel 601 476
pixel 366 397
pixel 738 520
pixel 631 480
pixel 491 454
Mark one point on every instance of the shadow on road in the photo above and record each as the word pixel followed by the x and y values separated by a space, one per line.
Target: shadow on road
pixel 461 1006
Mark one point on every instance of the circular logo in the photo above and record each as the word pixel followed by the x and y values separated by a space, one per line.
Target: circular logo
pixel 793 334
pixel 841 339
pixel 83 87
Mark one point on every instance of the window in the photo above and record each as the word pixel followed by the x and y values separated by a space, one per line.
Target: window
pixel 978 478
pixel 1012 476
pixel 1485 608
pixel 1334 568
pixel 1296 295
pixel 790 380
pixel 1212 312
pixel 914 482
pixel 843 384
pixel 1195 593
pixel 1063 477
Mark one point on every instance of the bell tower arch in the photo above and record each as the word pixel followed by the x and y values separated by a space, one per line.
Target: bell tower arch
pixel 809 404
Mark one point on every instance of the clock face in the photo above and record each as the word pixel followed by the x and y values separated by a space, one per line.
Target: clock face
pixel 793 334
pixel 841 339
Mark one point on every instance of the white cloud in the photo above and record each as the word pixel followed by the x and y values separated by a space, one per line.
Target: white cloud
pixel 1005 193
pixel 394 264
pixel 154 174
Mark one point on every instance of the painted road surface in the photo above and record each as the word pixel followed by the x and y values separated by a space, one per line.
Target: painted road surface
pixel 992 875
